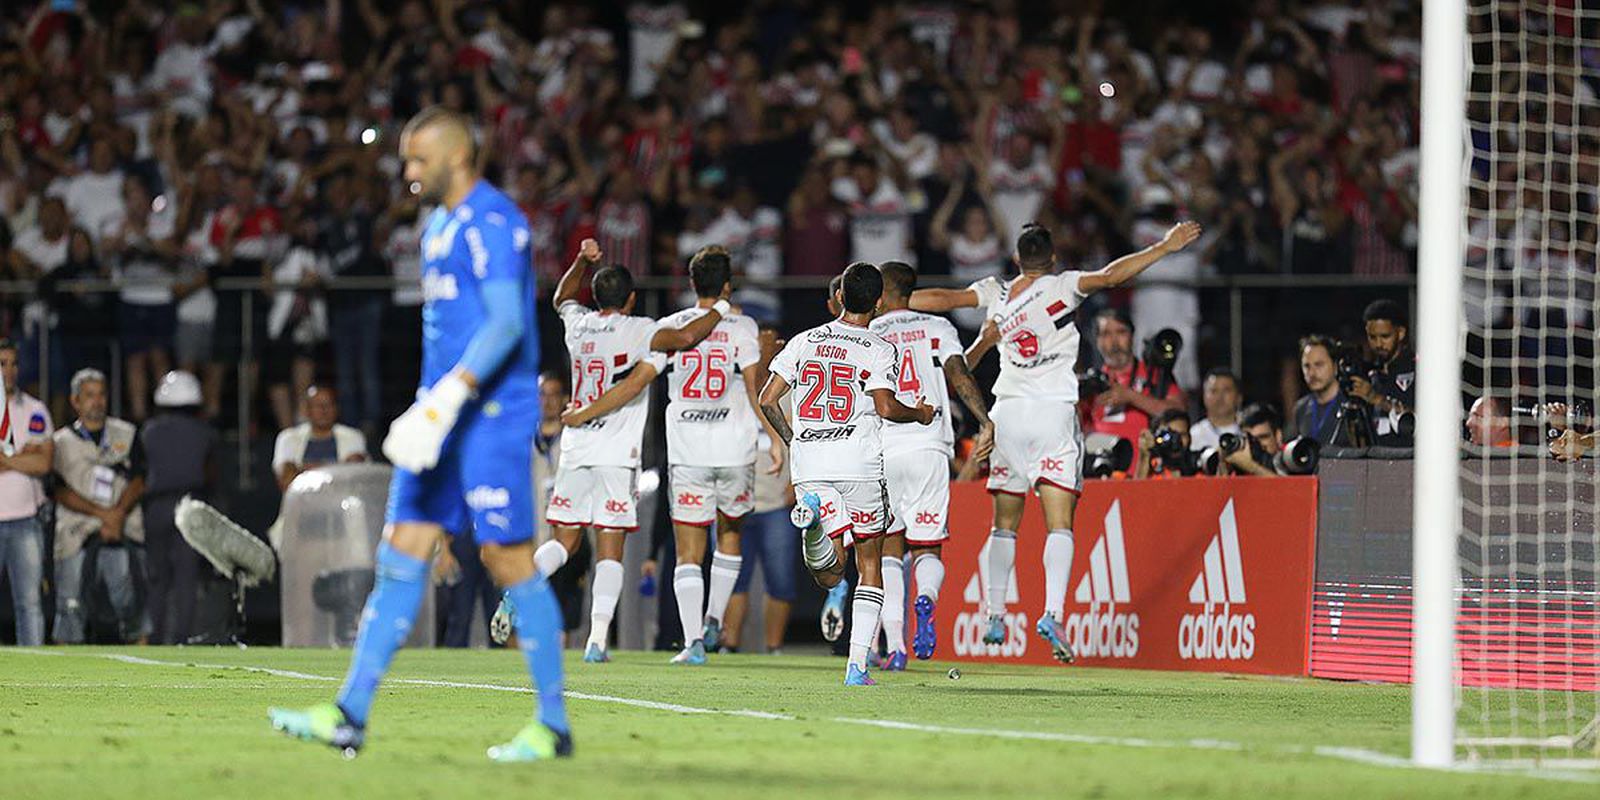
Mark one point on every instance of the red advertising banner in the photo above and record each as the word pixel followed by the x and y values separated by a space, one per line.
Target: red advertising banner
pixel 1207 574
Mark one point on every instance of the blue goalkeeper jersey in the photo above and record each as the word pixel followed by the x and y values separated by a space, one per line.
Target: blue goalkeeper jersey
pixel 484 240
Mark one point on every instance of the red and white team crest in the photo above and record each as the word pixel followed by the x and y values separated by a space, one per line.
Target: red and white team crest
pixel 1026 343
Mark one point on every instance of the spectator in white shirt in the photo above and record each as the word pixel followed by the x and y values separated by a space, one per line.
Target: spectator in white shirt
pixel 1222 410
pixel 880 214
pixel 94 196
pixel 318 441
pixel 21 494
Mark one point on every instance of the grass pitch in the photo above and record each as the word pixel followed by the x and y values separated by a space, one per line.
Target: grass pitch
pixel 165 722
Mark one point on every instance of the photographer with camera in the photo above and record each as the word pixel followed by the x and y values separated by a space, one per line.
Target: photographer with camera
pixel 1128 392
pixel 1164 447
pixel 1388 382
pixel 1326 414
pixel 1249 451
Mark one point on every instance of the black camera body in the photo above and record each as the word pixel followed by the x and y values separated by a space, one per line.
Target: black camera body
pixel 1093 382
pixel 1109 460
pixel 1174 455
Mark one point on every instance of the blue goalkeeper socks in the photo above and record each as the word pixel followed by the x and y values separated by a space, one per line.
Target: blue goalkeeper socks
pixel 385 623
pixel 539 636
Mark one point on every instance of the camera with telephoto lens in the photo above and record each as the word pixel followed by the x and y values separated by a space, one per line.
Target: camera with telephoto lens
pixel 1174 454
pixel 1161 350
pixel 1298 457
pixel 1093 382
pixel 1107 455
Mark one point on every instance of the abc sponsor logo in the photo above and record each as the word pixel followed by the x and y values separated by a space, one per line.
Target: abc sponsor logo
pixel 617 506
pixel 688 500
pixel 927 518
pixel 557 501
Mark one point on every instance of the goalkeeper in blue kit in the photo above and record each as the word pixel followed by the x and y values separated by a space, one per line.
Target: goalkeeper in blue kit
pixel 461 452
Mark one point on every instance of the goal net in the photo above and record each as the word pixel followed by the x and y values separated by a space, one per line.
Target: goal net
pixel 1525 667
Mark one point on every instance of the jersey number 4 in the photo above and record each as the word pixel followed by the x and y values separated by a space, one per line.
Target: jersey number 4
pixel 836 381
pixel 708 379
pixel 910 383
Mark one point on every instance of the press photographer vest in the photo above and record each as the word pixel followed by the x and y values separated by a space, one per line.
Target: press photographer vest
pixel 98 473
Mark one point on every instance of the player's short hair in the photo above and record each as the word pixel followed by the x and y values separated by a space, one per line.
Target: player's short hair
pixel 1260 414
pixel 10 344
pixel 1319 340
pixel 862 287
pixel 710 269
pixel 1165 418
pixel 1223 372
pixel 1386 310
pixel 835 284
pixel 1035 247
pixel 899 278
pixel 611 285
pixel 1113 313
pixel 442 115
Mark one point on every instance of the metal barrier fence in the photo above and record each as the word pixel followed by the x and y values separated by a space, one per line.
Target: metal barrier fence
pixel 1254 307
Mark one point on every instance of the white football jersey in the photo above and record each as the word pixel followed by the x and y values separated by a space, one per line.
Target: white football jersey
pixel 709 419
pixel 922 343
pixel 830 370
pixel 605 347
pixel 1038 335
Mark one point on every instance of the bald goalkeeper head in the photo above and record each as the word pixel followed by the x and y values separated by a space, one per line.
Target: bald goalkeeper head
pixel 440 156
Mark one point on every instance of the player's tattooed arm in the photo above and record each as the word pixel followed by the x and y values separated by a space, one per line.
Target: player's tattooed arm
pixel 890 408
pixel 1129 266
pixel 619 395
pixel 959 376
pixel 981 346
pixel 773 392
pixel 572 281
pixel 942 300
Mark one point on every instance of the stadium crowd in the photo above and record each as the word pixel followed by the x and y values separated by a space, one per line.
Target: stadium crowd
pixel 230 165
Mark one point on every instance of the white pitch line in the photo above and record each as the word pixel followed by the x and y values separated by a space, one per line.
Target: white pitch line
pixel 1351 754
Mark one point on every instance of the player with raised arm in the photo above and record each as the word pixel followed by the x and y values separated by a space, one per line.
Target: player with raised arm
pixel 1037 444
pixel 461 452
pixel 916 458
pixel 711 452
pixel 844 377
pixel 615 356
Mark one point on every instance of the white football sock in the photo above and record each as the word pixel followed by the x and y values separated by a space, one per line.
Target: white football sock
pixel 690 588
pixel 817 549
pixel 894 604
pixel 1057 569
pixel 724 573
pixel 550 557
pixel 864 613
pixel 603 606
pixel 928 569
pixel 1002 557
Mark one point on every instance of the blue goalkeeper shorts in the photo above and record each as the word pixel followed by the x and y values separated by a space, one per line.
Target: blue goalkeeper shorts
pixel 484 477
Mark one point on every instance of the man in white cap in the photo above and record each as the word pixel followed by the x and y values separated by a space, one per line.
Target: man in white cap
pixel 180 450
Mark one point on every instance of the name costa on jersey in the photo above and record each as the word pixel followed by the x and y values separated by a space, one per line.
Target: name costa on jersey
pixel 922 343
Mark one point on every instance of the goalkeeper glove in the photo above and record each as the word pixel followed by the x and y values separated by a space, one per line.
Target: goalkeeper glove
pixel 416 437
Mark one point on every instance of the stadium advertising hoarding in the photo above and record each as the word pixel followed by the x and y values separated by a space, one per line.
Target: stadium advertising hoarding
pixel 1205 574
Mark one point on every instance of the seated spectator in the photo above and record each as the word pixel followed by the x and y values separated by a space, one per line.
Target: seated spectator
pixel 1126 408
pixel 318 441
pixel 1221 398
pixel 1318 414
pixel 21 495
pixel 99 468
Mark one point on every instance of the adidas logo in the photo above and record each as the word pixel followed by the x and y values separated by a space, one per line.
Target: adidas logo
pixel 1217 631
pixel 967 638
pixel 1103 631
